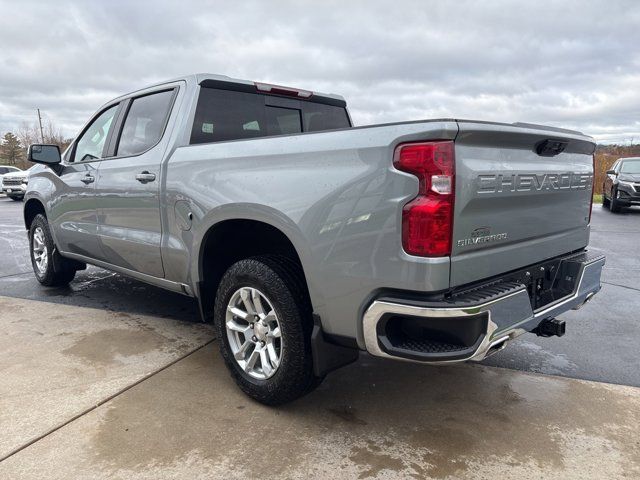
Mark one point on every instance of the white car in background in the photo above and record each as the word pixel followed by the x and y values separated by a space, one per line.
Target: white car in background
pixel 7 169
pixel 14 183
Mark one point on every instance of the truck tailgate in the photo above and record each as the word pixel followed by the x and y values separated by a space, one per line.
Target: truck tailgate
pixel 523 195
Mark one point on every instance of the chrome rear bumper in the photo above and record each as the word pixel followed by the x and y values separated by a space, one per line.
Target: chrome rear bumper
pixel 504 314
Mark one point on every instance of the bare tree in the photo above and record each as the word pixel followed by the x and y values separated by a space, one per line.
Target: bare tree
pixel 29 133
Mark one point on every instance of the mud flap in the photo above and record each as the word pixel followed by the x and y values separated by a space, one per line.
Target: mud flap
pixel 328 356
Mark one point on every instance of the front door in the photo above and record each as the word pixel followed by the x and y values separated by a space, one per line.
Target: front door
pixel 73 215
pixel 128 186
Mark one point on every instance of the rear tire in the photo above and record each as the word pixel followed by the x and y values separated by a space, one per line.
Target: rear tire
pixel 267 296
pixel 50 268
pixel 16 199
pixel 614 205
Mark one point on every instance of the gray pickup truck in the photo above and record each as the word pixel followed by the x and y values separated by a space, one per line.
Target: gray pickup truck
pixel 305 239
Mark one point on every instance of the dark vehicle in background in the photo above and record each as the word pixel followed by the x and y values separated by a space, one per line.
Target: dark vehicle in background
pixel 622 184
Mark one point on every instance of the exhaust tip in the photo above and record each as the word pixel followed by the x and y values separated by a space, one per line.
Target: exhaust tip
pixel 589 297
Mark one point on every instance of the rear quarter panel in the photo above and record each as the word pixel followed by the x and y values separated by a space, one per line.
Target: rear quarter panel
pixel 335 195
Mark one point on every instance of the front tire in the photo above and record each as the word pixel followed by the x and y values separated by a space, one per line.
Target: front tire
pixel 50 268
pixel 263 322
pixel 614 205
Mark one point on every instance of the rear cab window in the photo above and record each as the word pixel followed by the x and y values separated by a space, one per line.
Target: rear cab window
pixel 223 115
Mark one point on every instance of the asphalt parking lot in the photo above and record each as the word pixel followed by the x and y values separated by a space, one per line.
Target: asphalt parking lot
pixel 111 378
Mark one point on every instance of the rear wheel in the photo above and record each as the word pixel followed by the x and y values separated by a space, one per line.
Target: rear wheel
pixel 614 205
pixel 50 268
pixel 263 324
pixel 16 199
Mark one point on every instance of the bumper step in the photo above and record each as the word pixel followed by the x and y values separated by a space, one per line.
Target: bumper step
pixel 473 323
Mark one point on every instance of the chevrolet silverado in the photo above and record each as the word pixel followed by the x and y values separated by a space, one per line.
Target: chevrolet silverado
pixel 306 240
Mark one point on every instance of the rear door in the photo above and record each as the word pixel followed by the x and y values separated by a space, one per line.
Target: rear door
pixel 73 214
pixel 523 195
pixel 128 184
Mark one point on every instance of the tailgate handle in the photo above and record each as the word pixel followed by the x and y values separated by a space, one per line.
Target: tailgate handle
pixel 551 148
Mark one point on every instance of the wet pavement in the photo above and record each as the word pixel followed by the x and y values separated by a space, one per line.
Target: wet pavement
pixel 372 419
pixel 56 363
pixel 93 287
pixel 111 378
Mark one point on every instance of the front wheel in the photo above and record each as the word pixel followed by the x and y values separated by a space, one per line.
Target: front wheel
pixel 51 269
pixel 614 204
pixel 263 322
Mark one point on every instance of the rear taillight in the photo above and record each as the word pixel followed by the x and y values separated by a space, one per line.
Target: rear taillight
pixel 427 220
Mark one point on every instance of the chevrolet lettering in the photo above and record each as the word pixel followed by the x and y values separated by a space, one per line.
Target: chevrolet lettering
pixel 529 182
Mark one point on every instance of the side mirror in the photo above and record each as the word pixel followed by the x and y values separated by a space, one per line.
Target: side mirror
pixel 611 172
pixel 46 154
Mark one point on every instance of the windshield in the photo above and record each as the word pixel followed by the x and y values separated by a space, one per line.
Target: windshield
pixel 630 167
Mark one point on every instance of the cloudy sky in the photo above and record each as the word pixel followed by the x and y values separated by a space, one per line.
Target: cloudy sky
pixel 566 63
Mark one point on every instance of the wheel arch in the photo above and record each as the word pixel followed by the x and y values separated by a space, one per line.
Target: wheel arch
pixel 32 207
pixel 234 238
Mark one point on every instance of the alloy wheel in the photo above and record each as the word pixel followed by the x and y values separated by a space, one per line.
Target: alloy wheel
pixel 253 332
pixel 40 252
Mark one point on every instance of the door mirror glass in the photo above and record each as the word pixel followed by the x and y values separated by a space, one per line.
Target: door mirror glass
pixel 611 172
pixel 46 154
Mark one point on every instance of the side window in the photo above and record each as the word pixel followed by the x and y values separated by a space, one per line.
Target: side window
pixel 3 170
pixel 145 122
pixel 91 143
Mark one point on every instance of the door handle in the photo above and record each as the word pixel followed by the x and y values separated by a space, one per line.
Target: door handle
pixel 87 179
pixel 144 177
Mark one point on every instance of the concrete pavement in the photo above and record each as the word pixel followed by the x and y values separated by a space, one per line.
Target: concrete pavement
pixel 373 419
pixel 58 361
